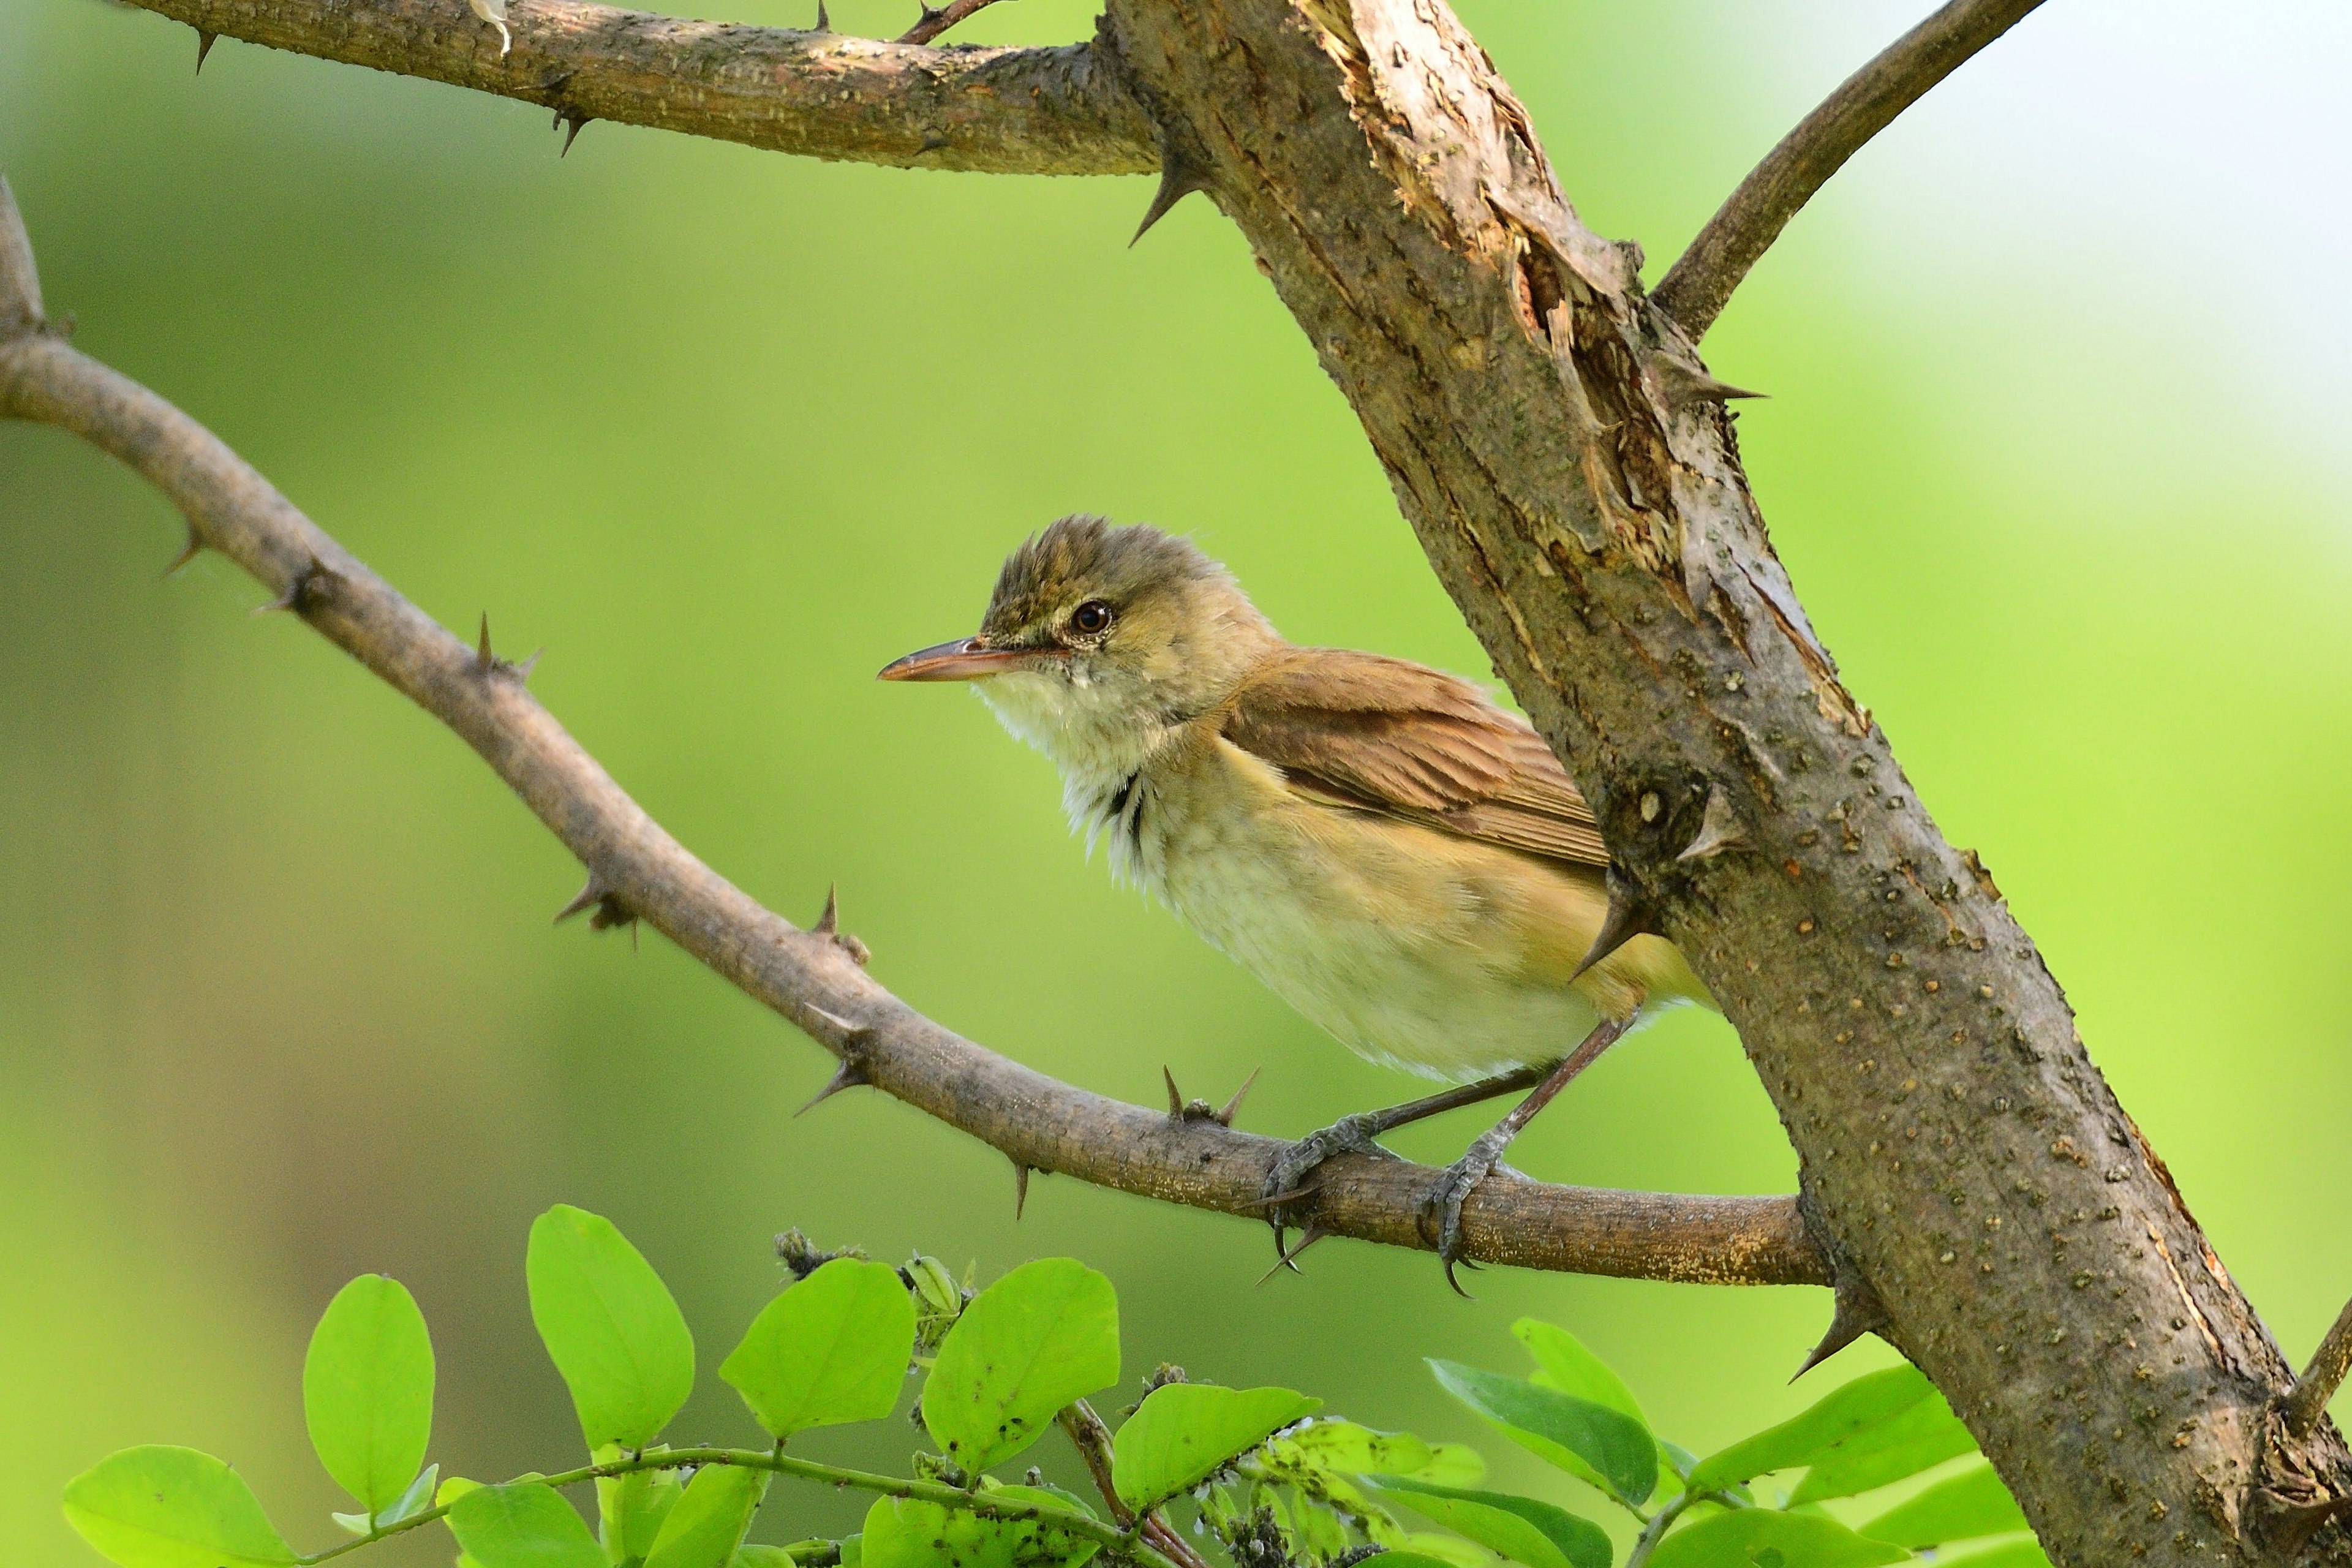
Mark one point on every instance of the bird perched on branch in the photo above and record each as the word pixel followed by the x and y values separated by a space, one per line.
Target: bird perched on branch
pixel 1400 859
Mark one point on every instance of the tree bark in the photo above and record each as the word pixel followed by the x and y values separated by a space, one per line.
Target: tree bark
pixel 1555 443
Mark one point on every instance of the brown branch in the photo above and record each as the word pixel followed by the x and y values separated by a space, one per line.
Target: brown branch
pixel 1007 111
pixel 636 870
pixel 1696 289
pixel 936 22
pixel 2306 1402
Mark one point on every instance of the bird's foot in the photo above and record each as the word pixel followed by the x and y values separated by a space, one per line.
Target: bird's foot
pixel 1441 1211
pixel 1290 1177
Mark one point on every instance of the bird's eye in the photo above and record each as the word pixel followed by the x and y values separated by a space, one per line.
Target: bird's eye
pixel 1091 618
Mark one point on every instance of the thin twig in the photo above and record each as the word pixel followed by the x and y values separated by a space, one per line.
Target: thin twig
pixel 2306 1402
pixel 934 22
pixel 810 977
pixel 1696 289
pixel 1063 110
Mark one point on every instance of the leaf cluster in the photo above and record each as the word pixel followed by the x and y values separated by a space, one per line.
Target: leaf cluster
pixel 1267 1480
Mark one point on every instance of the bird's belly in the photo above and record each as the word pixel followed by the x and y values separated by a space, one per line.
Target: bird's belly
pixel 1411 950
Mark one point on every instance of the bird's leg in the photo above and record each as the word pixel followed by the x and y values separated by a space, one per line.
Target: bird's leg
pixel 1443 1203
pixel 1360 1133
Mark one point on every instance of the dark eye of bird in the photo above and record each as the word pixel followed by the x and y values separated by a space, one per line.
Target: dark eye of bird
pixel 1091 618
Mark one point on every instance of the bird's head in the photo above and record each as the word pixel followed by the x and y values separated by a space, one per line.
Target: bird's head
pixel 1099 640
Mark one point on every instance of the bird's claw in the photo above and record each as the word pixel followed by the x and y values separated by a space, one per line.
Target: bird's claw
pixel 1286 1180
pixel 1441 1209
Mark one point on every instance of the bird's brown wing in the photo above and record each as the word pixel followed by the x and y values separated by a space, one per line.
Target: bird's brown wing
pixel 1380 734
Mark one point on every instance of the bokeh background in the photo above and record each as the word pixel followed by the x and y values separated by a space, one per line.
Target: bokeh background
pixel 2054 452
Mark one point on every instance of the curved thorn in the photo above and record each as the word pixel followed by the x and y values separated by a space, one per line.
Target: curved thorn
pixel 844 1077
pixel 829 923
pixel 188 551
pixel 1175 1096
pixel 1178 179
pixel 204 42
pixel 1020 1189
pixel 1224 1118
pixel 1289 1259
pixel 573 123
pixel 1856 1312
pixel 1719 829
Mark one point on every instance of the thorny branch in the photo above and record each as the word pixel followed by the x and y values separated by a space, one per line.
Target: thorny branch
pixel 1696 289
pixel 815 978
pixel 938 20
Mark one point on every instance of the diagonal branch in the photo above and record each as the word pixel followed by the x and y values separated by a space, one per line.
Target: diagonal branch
pixel 938 20
pixel 2306 1402
pixel 1005 110
pixel 814 977
pixel 1696 289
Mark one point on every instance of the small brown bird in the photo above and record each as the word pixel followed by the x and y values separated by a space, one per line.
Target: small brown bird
pixel 1397 858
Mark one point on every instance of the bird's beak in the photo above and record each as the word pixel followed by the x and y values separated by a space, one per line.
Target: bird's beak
pixel 967 658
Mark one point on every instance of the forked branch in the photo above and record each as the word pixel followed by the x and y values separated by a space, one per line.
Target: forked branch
pixel 1004 110
pixel 2306 1402
pixel 815 977
pixel 1696 289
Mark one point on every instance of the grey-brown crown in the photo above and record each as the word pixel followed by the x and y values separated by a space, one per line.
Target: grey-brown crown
pixel 1084 556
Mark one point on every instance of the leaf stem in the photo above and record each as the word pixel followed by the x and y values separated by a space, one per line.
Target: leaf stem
pixel 987 1504
pixel 1655 1531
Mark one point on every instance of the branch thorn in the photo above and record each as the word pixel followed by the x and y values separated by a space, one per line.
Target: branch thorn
pixel 846 1076
pixel 1020 1189
pixel 828 925
pixel 592 893
pixel 1179 178
pixel 1224 1118
pixel 1175 1096
pixel 824 22
pixel 297 590
pixel 1289 1259
pixel 1629 916
pixel 484 660
pixel 572 123
pixel 1719 829
pixel 204 42
pixel 1857 1313
pixel 188 551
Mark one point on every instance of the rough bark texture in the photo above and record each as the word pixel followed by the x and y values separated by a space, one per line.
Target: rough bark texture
pixel 1548 436
pixel 827 95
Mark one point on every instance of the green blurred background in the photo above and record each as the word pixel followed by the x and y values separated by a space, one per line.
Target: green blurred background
pixel 2051 453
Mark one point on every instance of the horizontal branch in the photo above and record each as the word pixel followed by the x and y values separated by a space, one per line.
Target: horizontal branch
pixel 810 976
pixel 1004 110
pixel 1696 289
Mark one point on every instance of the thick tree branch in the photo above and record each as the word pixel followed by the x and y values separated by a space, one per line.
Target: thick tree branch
pixel 812 977
pixel 2307 1401
pixel 1005 110
pixel 1697 287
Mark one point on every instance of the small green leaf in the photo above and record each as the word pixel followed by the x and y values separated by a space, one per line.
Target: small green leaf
pixel 1424 1557
pixel 1452 1464
pixel 1587 1439
pixel 1903 1445
pixel 911 1534
pixel 367 1390
pixel 1958 1508
pixel 1570 1368
pixel 832 1348
pixel 1183 1433
pixel 707 1523
pixel 160 1507
pixel 763 1557
pixel 1866 1401
pixel 611 1326
pixel 2023 1552
pixel 1450 1549
pixel 630 1508
pixel 415 1500
pixel 1521 1528
pixel 522 1524
pixel 1044 1335
pixel 1767 1538
pixel 1351 1449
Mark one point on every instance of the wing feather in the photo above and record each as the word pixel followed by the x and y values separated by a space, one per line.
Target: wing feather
pixel 1380 734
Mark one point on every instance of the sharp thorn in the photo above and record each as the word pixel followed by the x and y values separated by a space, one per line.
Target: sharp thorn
pixel 844 1077
pixel 1178 179
pixel 1225 1117
pixel 829 923
pixel 824 22
pixel 1719 829
pixel 188 551
pixel 836 1019
pixel 1020 1189
pixel 522 671
pixel 289 598
pixel 1175 1096
pixel 1628 918
pixel 1289 1259
pixel 593 893
pixel 1856 1313
pixel 571 134
pixel 1274 1200
pixel 204 42
pixel 484 660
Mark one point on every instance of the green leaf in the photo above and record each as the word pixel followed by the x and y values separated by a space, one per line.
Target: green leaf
pixel 1587 1439
pixel 832 1348
pixel 611 1325
pixel 1044 1335
pixel 1767 1538
pixel 630 1508
pixel 1958 1508
pixel 907 1533
pixel 415 1500
pixel 367 1390
pixel 522 1524
pixel 1927 1434
pixel 1570 1368
pixel 2023 1553
pixel 761 1557
pixel 1521 1528
pixel 1351 1449
pixel 1450 1549
pixel 1452 1464
pixel 1424 1559
pixel 707 1523
pixel 161 1507
pixel 1867 1401
pixel 1183 1433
